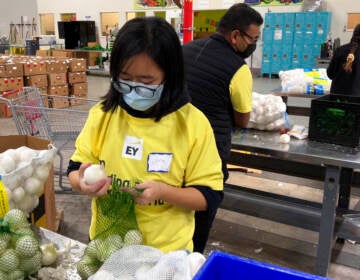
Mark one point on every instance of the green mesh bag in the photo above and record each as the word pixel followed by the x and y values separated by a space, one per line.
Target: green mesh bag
pixel 116 227
pixel 115 214
pixel 20 254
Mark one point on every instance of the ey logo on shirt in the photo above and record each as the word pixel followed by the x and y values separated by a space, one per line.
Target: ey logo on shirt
pixel 133 148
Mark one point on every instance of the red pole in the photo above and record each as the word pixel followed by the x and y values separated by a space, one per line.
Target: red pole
pixel 187 21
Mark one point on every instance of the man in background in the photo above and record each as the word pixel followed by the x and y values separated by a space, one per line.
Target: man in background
pixel 220 84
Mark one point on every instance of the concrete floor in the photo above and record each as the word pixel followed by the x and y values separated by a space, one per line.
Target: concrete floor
pixel 232 232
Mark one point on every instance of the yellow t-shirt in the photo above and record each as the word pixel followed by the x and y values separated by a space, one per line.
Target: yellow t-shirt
pixel 241 90
pixel 179 150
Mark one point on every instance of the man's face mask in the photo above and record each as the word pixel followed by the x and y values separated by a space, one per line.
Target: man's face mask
pixel 250 46
pixel 248 51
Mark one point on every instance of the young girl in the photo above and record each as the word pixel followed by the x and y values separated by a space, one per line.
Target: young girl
pixel 146 128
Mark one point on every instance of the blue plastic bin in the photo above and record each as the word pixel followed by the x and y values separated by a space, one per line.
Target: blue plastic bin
pixel 223 266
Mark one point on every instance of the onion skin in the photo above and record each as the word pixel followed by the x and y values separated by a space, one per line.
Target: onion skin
pixel 49 254
pixel 94 173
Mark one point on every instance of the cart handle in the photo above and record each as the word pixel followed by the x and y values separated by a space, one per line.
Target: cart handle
pixel 6 93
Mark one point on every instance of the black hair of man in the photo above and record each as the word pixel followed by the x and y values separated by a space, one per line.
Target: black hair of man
pixel 239 16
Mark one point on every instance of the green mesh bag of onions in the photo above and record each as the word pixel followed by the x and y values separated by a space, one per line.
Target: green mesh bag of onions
pixel 116 227
pixel 20 254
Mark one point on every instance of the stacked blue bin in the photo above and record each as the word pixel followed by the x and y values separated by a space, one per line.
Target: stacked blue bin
pixel 223 266
pixel 293 40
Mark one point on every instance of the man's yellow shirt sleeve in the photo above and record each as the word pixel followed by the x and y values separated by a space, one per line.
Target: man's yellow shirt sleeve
pixel 241 90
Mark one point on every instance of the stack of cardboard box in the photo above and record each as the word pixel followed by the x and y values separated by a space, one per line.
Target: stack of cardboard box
pixel 11 77
pixel 59 77
pixel 77 80
pixel 35 73
pixel 58 88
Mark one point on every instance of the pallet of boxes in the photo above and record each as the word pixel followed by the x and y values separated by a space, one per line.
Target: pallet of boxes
pixel 58 87
pixel 78 87
pixel 11 77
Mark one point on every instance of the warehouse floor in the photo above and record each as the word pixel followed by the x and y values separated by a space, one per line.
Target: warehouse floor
pixel 232 232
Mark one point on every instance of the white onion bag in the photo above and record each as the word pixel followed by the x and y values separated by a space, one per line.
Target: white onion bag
pixel 268 112
pixel 23 172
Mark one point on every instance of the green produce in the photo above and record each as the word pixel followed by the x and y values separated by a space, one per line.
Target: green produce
pixel 335 122
pixel 99 250
pixel 20 254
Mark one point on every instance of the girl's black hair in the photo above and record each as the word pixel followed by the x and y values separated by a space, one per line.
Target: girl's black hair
pixel 158 39
pixel 239 16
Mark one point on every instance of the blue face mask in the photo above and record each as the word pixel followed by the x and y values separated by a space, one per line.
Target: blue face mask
pixel 139 96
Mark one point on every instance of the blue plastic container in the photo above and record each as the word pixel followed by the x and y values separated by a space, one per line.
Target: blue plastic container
pixel 223 266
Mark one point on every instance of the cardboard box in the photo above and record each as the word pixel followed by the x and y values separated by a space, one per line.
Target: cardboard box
pixel 57 79
pixel 11 70
pixel 42 53
pixel 5 111
pixel 77 65
pixel 62 90
pixel 39 81
pixel 34 67
pixel 78 89
pixel 56 66
pixel 76 77
pixel 78 99
pixel 11 83
pixel 44 215
pixel 43 90
pixel 62 53
pixel 59 102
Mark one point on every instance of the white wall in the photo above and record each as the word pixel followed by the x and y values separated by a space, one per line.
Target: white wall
pixel 339 10
pixel 91 9
pixel 12 10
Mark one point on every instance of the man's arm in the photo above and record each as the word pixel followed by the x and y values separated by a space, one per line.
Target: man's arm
pixel 241 119
pixel 241 96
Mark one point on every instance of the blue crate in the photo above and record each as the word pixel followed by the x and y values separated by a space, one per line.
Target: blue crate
pixel 223 266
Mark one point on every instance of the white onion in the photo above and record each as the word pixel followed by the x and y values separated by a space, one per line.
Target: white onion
pixel 12 204
pixel 285 138
pixel 42 172
pixel 49 254
pixel 2 171
pixel 11 153
pixel 26 169
pixel 28 155
pixel 7 163
pixel 18 194
pixel 27 203
pixel 20 150
pixel 35 201
pixel 8 193
pixel 196 260
pixel 94 173
pixel 33 185
pixel 46 156
pixel 11 181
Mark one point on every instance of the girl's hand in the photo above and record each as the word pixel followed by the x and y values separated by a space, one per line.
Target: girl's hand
pixel 94 190
pixel 147 192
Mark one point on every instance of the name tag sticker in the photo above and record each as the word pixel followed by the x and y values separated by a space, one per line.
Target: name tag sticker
pixel 159 162
pixel 133 148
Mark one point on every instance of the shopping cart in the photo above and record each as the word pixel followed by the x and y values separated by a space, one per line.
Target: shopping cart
pixel 54 117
